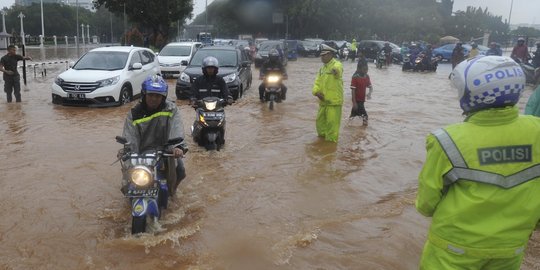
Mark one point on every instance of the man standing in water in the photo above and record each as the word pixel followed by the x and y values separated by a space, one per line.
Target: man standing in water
pixel 329 89
pixel 12 79
pixel 481 179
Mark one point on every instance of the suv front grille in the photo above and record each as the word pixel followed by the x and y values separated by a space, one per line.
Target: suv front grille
pixel 79 87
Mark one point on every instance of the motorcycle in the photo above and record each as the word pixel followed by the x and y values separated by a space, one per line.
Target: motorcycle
pixel 272 90
pixel 208 129
pixel 407 65
pixel 532 74
pixel 152 179
pixel 344 53
pixel 380 61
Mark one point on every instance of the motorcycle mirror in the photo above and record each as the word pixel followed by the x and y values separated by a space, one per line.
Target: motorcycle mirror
pixel 120 139
pixel 175 141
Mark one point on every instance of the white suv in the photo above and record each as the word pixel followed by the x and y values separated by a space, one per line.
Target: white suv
pixel 172 55
pixel 105 76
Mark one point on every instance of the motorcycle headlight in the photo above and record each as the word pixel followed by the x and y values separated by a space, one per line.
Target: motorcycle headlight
pixel 273 79
pixel 109 81
pixel 210 105
pixel 184 77
pixel 141 176
pixel 230 78
pixel 58 81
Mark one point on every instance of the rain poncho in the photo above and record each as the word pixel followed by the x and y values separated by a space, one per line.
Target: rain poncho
pixel 482 192
pixel 331 86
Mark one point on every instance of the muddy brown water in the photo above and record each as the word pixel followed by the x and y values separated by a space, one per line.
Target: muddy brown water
pixel 276 197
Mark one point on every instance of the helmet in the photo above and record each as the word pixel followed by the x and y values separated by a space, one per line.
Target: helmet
pixel 488 82
pixel 273 55
pixel 155 84
pixel 354 39
pixel 210 61
pixel 493 43
pixel 474 45
pixel 521 39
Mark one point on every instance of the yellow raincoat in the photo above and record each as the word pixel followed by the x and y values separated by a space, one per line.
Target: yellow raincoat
pixel 329 82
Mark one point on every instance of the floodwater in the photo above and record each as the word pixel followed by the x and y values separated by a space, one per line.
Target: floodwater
pixel 276 197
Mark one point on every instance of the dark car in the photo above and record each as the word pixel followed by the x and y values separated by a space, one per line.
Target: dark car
pixel 309 47
pixel 266 46
pixel 234 68
pixel 370 48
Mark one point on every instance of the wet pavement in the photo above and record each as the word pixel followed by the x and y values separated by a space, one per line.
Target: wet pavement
pixel 276 197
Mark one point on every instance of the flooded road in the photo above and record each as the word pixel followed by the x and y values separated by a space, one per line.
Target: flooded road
pixel 276 197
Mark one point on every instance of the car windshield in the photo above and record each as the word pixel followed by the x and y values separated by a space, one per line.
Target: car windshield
pixel 268 46
pixel 176 51
pixel 226 58
pixel 102 61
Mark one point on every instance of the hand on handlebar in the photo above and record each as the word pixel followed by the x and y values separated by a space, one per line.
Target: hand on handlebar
pixel 178 153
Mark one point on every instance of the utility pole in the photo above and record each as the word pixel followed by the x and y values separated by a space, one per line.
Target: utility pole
pixel 77 27
pixel 42 26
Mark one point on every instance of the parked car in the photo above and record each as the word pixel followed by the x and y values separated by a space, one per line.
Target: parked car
pixel 234 67
pixel 173 54
pixel 309 47
pixel 292 46
pixel 445 51
pixel 264 49
pixel 105 76
pixel 370 49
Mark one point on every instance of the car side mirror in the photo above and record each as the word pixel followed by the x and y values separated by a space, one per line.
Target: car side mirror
pixel 184 63
pixel 136 66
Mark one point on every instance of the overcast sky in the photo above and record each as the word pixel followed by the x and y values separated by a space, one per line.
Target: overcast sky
pixel 523 12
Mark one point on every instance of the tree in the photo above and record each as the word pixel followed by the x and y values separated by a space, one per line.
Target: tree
pixel 156 15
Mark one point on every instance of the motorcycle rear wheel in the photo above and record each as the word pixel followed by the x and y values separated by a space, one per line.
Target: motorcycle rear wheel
pixel 138 225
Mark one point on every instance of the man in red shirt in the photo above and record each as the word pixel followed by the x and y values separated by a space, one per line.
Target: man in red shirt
pixel 359 82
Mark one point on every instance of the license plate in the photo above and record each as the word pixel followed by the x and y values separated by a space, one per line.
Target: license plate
pixel 76 96
pixel 153 192
pixel 210 114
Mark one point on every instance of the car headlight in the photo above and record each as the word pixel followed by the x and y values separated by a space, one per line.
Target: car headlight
pixel 141 176
pixel 58 81
pixel 184 77
pixel 109 81
pixel 230 78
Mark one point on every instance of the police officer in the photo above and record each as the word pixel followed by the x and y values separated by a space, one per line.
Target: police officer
pixel 273 64
pixel 209 84
pixel 328 88
pixel 481 179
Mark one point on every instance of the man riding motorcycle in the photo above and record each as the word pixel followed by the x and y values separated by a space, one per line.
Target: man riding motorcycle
pixel 520 53
pixel 273 64
pixel 388 53
pixel 152 122
pixel 209 84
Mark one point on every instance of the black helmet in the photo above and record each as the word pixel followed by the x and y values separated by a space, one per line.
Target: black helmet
pixel 474 45
pixel 273 55
pixel 210 61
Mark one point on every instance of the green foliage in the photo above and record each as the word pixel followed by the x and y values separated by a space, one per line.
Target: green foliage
pixel 395 20
pixel 526 32
pixel 61 20
pixel 153 16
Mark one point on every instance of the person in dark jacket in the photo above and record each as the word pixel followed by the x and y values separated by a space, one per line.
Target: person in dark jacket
pixel 12 79
pixel 458 55
pixel 209 84
pixel 273 64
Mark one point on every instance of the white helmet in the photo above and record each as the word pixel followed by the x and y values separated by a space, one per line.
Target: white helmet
pixel 488 82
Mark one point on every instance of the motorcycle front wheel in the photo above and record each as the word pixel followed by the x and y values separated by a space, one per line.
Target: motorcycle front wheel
pixel 138 225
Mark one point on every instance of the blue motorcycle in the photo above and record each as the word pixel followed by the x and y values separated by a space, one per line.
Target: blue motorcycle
pixel 152 179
